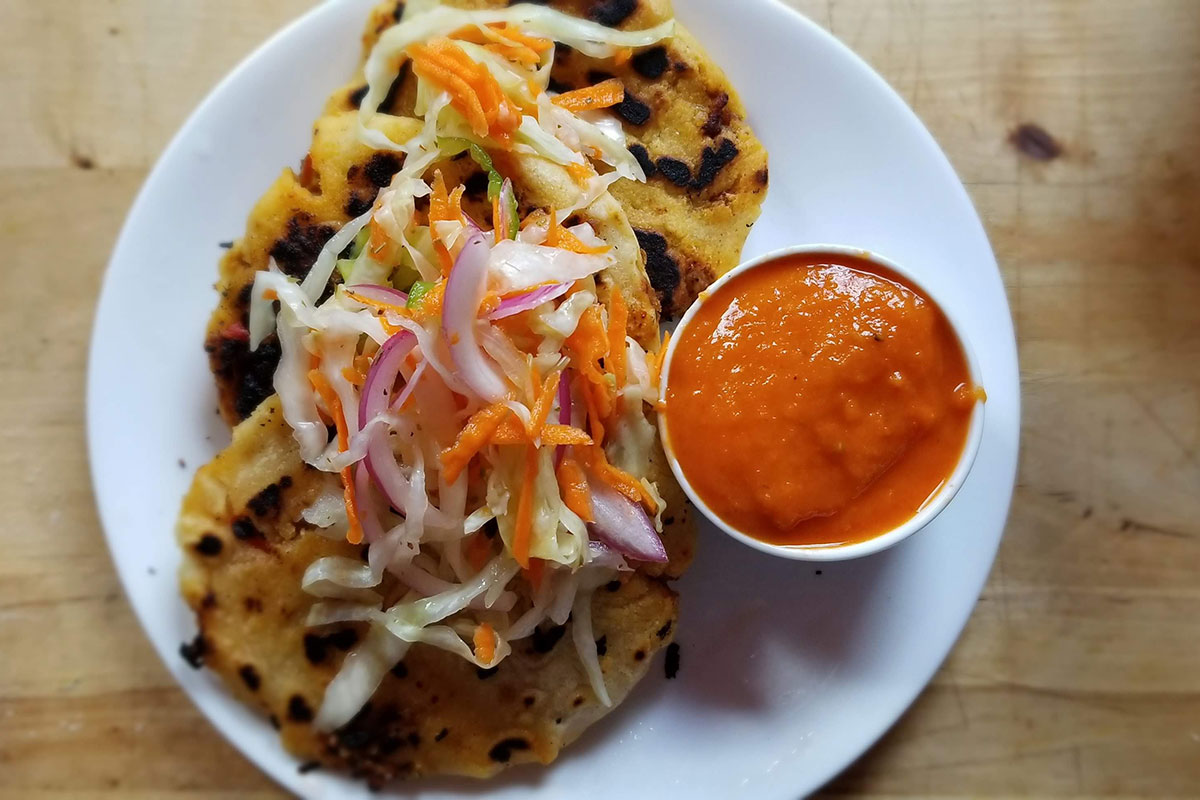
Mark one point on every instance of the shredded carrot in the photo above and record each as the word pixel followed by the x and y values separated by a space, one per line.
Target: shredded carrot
pixel 354 376
pixel 656 361
pixel 535 573
pixel 370 301
pixel 564 435
pixel 515 34
pixel 603 95
pixel 334 404
pixel 582 173
pixel 618 321
pixel 474 91
pixel 589 341
pixel 354 533
pixel 431 303
pixel 362 364
pixel 439 200
pixel 569 241
pixel 491 301
pixel 558 236
pixel 623 56
pixel 380 246
pixel 434 66
pixel 595 419
pixel 574 487
pixel 523 532
pixel 541 406
pixel 506 40
pixel 536 217
pixel 500 230
pixel 518 54
pixel 554 229
pixel 478 550
pixel 522 291
pixel 586 346
pixel 444 206
pixel 270 294
pixel 512 432
pixel 389 328
pixel 473 438
pixel 456 198
pixel 485 643
pixel 379 238
pixel 619 479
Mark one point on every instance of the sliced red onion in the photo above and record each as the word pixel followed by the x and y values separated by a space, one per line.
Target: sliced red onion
pixel 464 293
pixel 380 294
pixel 564 398
pixel 409 386
pixel 623 525
pixel 381 378
pixel 383 468
pixel 472 225
pixel 529 301
pixel 380 461
pixel 601 555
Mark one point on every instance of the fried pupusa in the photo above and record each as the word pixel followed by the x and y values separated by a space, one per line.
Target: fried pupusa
pixel 707 178
pixel 246 551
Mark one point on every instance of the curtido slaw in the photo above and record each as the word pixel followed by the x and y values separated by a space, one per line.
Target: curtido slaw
pixel 490 412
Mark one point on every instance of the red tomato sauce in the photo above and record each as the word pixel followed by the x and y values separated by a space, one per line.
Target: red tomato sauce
pixel 818 400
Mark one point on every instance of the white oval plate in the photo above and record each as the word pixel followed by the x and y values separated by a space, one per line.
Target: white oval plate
pixel 787 675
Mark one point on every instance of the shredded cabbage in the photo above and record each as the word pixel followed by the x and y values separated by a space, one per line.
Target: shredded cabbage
pixel 328 510
pixel 585 644
pixel 318 277
pixel 581 133
pixel 513 266
pixel 359 677
pixel 557 324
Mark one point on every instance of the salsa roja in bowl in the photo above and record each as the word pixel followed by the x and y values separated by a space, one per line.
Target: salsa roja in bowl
pixel 818 404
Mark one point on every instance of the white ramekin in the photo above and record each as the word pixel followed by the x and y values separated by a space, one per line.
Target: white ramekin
pixel 932 507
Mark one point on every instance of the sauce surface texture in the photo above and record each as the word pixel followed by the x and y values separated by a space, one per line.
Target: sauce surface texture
pixel 818 400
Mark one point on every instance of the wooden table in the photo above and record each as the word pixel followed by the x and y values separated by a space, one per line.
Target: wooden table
pixel 1079 674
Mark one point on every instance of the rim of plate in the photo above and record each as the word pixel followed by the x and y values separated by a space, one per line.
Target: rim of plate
pixel 207 695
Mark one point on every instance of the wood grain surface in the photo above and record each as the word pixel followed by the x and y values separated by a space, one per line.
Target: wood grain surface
pixel 1079 674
